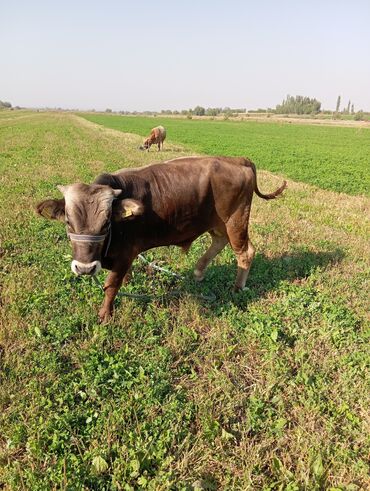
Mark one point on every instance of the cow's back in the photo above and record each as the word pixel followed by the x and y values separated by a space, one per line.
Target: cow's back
pixel 190 186
pixel 159 133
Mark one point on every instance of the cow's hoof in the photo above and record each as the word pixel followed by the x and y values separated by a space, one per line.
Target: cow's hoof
pixel 104 316
pixel 198 275
pixel 238 289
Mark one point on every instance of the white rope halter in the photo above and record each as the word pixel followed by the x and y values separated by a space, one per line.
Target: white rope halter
pixel 92 238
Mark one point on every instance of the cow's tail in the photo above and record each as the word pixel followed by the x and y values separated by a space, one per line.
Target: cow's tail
pixel 270 195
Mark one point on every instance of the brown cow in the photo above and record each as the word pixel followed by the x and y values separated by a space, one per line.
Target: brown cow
pixel 157 135
pixel 123 214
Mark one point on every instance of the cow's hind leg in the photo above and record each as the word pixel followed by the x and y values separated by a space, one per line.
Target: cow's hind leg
pixel 244 259
pixel 218 243
pixel 237 229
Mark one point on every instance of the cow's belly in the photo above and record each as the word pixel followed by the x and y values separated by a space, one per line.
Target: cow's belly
pixel 182 234
pixel 177 239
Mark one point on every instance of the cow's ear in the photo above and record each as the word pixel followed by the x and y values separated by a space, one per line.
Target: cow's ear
pixel 53 209
pixel 131 208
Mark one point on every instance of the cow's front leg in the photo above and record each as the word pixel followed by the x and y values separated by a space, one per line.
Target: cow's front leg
pixel 111 286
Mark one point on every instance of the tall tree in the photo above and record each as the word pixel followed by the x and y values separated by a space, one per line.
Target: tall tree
pixel 338 104
pixel 352 109
pixel 348 107
pixel 298 105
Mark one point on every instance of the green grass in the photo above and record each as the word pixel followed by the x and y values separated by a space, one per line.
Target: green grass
pixel 332 158
pixel 262 390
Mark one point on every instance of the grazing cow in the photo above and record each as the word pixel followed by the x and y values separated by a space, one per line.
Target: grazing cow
pixel 125 213
pixel 157 135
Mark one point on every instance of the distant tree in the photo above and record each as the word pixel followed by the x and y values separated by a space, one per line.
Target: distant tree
pixel 5 105
pixel 348 106
pixel 338 105
pixel 227 114
pixel 359 116
pixel 108 110
pixel 213 111
pixel 352 109
pixel 199 111
pixel 299 105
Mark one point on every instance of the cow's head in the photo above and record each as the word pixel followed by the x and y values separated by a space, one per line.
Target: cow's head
pixel 146 144
pixel 87 213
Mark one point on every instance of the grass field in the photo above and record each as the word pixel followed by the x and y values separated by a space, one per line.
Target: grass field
pixel 262 390
pixel 333 158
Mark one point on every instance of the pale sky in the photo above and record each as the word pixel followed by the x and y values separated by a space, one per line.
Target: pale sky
pixel 163 54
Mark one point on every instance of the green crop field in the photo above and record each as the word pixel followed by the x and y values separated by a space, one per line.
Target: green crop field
pixel 267 389
pixel 334 158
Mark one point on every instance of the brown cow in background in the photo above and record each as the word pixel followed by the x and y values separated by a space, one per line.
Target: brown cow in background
pixel 157 136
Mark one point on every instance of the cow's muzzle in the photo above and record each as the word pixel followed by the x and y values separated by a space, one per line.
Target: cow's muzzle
pixel 79 268
pixel 91 268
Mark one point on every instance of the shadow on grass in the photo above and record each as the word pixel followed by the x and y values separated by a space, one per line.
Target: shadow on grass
pixel 154 151
pixel 267 274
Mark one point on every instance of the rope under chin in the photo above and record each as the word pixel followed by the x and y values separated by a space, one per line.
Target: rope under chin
pixel 151 296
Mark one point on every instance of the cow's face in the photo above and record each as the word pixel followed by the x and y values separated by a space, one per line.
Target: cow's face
pixel 88 210
pixel 146 144
pixel 87 213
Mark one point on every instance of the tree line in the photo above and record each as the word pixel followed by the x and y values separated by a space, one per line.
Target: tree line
pixel 298 104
